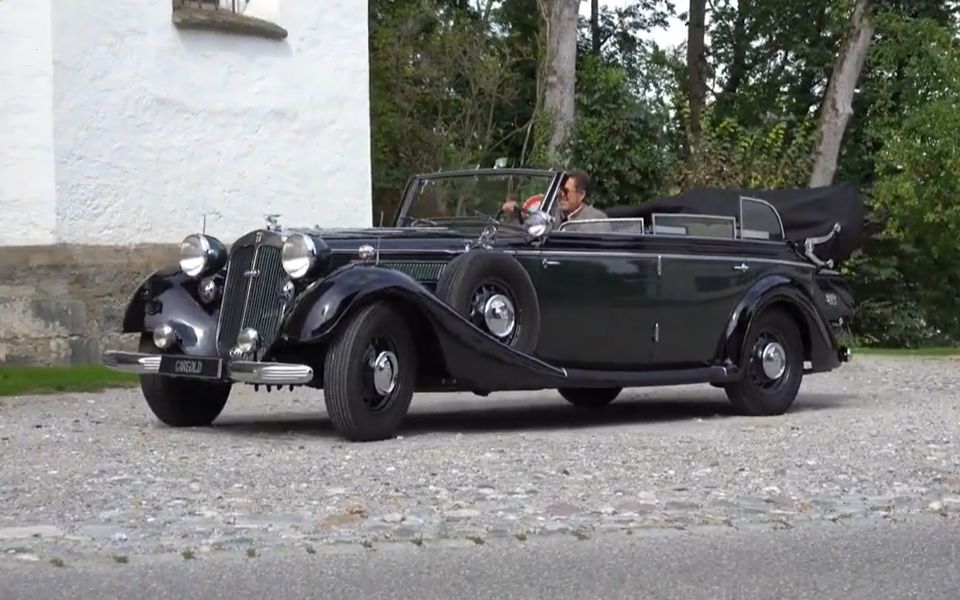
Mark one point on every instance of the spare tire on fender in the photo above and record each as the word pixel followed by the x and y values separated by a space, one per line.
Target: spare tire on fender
pixel 493 291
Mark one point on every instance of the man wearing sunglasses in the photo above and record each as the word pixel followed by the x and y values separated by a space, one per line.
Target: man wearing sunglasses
pixel 572 204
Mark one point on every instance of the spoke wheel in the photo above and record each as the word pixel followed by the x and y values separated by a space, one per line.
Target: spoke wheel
pixel 772 366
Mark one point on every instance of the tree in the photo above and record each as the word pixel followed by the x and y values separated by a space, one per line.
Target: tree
pixel 560 18
pixel 697 68
pixel 837 105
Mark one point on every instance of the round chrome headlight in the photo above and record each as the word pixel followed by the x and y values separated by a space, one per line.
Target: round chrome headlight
pixel 299 255
pixel 201 255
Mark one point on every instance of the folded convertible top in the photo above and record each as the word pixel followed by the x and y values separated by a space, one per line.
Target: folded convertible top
pixel 806 212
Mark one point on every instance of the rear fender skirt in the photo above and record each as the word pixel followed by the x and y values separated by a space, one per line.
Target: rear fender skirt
pixel 169 296
pixel 470 355
pixel 823 348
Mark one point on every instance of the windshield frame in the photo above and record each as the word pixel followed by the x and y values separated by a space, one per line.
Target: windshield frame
pixel 549 199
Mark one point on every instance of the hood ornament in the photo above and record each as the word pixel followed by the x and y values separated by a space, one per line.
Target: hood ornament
pixel 484 240
pixel 273 221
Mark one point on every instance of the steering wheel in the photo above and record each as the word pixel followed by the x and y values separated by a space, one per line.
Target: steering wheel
pixel 530 204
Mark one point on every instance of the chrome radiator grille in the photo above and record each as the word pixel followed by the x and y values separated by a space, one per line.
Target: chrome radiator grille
pixel 252 297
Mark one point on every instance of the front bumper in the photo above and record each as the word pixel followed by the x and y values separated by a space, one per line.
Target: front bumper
pixel 241 371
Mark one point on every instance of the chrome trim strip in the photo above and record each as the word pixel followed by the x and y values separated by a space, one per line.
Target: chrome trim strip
pixel 246 300
pixel 132 362
pixel 621 254
pixel 269 373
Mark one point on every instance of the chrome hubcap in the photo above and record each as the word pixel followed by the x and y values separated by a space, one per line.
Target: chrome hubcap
pixel 385 371
pixel 773 359
pixel 499 316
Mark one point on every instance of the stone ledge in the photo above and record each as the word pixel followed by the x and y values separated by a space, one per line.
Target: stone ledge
pixel 228 21
pixel 60 256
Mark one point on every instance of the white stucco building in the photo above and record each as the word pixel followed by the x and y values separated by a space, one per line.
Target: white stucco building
pixel 119 126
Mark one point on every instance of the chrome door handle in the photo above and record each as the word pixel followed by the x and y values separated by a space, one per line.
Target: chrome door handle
pixel 742 267
pixel 550 263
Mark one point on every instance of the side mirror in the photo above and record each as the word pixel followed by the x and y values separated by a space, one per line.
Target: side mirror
pixel 538 224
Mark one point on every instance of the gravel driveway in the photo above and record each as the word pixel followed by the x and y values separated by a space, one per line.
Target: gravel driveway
pixel 95 476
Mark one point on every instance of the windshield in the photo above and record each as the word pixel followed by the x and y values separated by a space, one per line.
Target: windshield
pixel 472 198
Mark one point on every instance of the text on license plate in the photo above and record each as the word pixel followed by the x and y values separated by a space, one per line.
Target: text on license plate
pixel 189 366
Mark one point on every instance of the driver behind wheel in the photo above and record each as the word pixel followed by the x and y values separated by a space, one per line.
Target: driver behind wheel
pixel 572 204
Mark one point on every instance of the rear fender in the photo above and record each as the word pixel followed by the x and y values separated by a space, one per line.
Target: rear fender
pixel 469 354
pixel 821 345
pixel 170 296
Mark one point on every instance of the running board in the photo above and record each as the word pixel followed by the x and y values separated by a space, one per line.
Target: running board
pixel 594 378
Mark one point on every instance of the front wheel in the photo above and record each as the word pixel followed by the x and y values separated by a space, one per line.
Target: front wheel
pixel 369 374
pixel 772 366
pixel 182 402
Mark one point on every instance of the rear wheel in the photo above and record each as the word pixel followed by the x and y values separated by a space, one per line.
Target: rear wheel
pixel 772 366
pixel 370 372
pixel 182 402
pixel 590 397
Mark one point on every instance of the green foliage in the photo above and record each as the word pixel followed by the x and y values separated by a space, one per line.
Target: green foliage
pixel 769 155
pixel 908 279
pixel 617 136
pixel 457 83
pixel 445 90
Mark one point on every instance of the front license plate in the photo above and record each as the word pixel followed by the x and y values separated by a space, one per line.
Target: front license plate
pixel 189 366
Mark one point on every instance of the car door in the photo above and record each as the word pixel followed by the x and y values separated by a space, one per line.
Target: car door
pixel 598 301
pixel 706 269
pixel 698 294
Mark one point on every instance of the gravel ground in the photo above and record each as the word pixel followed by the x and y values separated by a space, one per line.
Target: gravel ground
pixel 95 476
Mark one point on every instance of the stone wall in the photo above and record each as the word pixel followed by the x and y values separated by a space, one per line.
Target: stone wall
pixel 63 305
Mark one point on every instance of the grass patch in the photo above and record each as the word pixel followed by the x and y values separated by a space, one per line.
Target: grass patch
pixel 933 351
pixel 16 381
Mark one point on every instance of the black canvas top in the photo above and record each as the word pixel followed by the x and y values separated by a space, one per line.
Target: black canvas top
pixel 806 212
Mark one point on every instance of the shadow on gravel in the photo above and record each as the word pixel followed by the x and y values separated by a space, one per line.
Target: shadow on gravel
pixel 499 415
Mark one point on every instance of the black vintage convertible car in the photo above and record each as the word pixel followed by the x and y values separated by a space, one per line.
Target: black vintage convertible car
pixel 735 288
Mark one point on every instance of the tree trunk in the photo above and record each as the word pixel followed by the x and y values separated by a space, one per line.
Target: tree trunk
pixel 696 67
pixel 838 102
pixel 727 98
pixel 595 26
pixel 560 18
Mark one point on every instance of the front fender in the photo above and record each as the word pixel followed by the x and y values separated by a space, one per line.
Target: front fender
pixel 170 296
pixel 469 354
pixel 778 289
